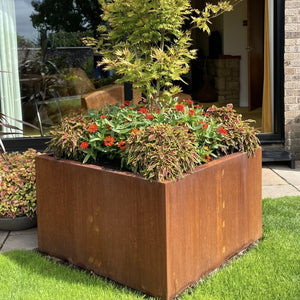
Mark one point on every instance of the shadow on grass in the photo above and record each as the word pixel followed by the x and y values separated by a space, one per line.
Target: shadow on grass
pixel 45 268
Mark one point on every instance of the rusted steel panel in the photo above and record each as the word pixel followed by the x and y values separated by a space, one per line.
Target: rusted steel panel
pixel 103 221
pixel 155 237
pixel 212 215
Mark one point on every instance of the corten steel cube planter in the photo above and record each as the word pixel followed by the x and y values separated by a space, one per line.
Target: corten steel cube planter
pixel 155 237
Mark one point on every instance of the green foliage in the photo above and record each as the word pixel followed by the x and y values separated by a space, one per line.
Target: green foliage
pixel 17 184
pixel 67 39
pixel 109 135
pixel 67 15
pixel 145 42
pixel 241 136
pixel 162 152
pixel 116 124
pixel 66 137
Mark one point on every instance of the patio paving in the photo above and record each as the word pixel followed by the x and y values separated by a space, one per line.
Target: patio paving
pixel 277 181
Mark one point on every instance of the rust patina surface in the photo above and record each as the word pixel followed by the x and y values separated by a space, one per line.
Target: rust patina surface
pixel 155 237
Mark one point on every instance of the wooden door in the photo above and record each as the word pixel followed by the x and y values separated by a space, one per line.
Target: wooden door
pixel 255 52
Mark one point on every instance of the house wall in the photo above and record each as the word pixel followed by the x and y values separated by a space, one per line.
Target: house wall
pixel 235 43
pixel 292 77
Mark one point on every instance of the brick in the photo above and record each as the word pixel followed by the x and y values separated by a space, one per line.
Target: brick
pixel 292 35
pixel 289 71
pixel 292 4
pixel 289 100
pixel 291 27
pixel 290 42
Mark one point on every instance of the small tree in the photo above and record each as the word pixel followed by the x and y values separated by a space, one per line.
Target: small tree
pixel 149 43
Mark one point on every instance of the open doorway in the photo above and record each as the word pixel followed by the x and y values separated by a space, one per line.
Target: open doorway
pixel 230 67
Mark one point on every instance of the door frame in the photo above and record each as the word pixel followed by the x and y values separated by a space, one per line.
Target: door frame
pixel 277 136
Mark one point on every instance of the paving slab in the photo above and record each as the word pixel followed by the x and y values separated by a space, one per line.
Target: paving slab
pixel 291 177
pixel 24 232
pixel 3 235
pixel 269 177
pixel 25 239
pixel 275 191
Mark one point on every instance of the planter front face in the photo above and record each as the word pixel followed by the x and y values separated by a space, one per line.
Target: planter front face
pixel 155 237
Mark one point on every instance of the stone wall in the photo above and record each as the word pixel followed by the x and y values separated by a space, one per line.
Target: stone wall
pixel 292 77
pixel 225 72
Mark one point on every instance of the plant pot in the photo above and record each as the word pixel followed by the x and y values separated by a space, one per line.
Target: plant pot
pixel 18 223
pixel 157 237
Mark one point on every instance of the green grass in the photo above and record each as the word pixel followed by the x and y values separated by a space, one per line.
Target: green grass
pixel 270 270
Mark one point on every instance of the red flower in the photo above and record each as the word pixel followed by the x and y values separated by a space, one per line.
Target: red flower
pixel 191 112
pixel 197 106
pixel 222 130
pixel 108 127
pixel 179 107
pixel 134 131
pixel 143 110
pixel 109 141
pixel 122 145
pixel 126 103
pixel 205 126
pixel 189 101
pixel 149 117
pixel 93 128
pixel 103 116
pixel 84 145
pixel 207 158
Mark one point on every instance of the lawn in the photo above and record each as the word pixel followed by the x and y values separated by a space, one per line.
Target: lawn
pixel 269 270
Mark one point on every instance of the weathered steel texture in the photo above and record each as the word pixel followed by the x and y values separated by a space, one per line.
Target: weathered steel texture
pixel 155 237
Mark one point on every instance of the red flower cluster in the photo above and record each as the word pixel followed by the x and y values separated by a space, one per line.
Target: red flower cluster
pixel 222 130
pixel 84 145
pixel 122 144
pixel 126 103
pixel 179 107
pixel 207 158
pixel 191 112
pixel 109 141
pixel 189 101
pixel 149 117
pixel 93 128
pixel 134 131
pixel 103 116
pixel 205 126
pixel 143 110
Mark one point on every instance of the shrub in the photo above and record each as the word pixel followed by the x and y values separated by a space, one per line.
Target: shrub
pixel 17 184
pixel 241 136
pixel 162 152
pixel 148 43
pixel 66 137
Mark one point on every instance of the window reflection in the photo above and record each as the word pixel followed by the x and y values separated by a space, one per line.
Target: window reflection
pixel 55 67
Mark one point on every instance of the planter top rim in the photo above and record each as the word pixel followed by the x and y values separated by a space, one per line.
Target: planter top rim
pixel 50 157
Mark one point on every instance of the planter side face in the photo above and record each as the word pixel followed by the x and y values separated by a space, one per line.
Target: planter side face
pixel 108 222
pixel 155 237
pixel 212 215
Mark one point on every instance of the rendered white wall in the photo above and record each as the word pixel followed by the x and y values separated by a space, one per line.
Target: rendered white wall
pixel 235 43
